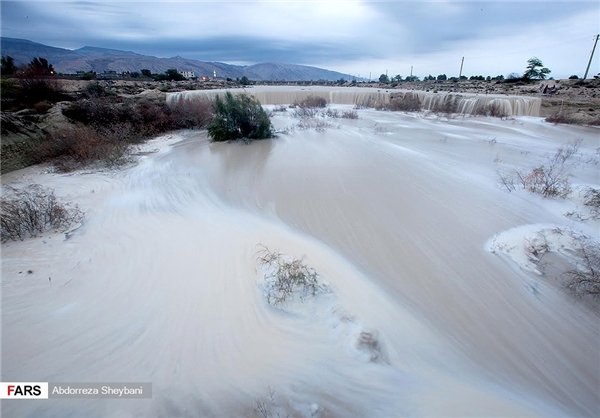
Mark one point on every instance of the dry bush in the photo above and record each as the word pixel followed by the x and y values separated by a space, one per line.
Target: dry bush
pixel 495 110
pixel 305 112
pixel 42 107
pixel 312 101
pixel 408 102
pixel 195 113
pixel 318 125
pixel 591 199
pixel 585 278
pixel 332 113
pixel 350 114
pixel 560 117
pixel 33 210
pixel 34 89
pixel 287 277
pixel 551 179
pixel 280 108
pixel 78 145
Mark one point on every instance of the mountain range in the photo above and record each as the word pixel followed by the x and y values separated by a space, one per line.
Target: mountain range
pixel 97 59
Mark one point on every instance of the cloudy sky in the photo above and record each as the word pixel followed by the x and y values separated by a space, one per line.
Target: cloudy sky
pixel 354 37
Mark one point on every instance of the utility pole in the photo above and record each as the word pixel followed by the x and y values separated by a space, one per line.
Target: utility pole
pixel 411 71
pixel 461 66
pixel 591 56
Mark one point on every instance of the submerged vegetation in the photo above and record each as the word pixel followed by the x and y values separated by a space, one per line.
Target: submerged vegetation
pixel 287 277
pixel 239 117
pixel 32 210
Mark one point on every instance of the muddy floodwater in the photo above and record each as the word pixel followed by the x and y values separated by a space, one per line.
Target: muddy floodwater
pixel 394 211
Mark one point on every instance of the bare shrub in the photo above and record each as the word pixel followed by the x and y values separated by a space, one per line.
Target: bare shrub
pixel 313 101
pixel 280 108
pixel 591 199
pixel 350 114
pixel 78 145
pixel 496 110
pixel 551 179
pixel 42 107
pixel 332 113
pixel 287 278
pixel 305 112
pixel 585 278
pixel 193 113
pixel 316 124
pixel 560 117
pixel 408 102
pixel 32 210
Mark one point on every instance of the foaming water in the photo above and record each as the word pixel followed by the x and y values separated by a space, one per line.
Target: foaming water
pixel 463 103
pixel 161 284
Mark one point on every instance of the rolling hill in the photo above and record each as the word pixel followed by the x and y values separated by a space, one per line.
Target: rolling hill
pixel 98 59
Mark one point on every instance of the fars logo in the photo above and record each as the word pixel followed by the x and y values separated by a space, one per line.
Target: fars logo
pixel 24 390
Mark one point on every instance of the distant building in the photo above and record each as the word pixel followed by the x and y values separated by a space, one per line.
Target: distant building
pixel 187 74
pixel 107 75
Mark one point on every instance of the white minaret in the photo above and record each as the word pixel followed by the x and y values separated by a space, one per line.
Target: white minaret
pixel 215 73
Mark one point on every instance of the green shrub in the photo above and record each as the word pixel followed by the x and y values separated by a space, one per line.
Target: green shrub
pixel 238 117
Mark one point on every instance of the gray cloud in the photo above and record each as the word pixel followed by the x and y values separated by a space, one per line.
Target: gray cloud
pixel 350 37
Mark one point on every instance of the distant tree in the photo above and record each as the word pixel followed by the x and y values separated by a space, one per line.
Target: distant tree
pixel 341 81
pixel 90 75
pixel 498 77
pixel 398 78
pixel 383 78
pixel 8 65
pixel 412 78
pixel 488 78
pixel 40 66
pixel 574 77
pixel 134 74
pixel 146 73
pixel 173 75
pixel 463 77
pixel 244 81
pixel 442 77
pixel 429 77
pixel 513 76
pixel 535 70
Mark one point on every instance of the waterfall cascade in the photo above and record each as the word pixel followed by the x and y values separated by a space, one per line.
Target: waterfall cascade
pixel 462 103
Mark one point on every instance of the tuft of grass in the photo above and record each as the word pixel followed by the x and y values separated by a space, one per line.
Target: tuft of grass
pixel 32 210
